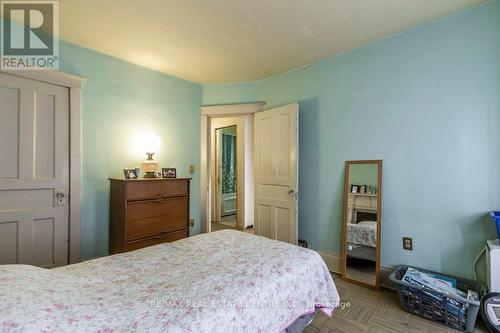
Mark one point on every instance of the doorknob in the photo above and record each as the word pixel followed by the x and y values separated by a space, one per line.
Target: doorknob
pixel 293 194
pixel 60 198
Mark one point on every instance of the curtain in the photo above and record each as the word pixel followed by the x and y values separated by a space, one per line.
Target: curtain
pixel 228 163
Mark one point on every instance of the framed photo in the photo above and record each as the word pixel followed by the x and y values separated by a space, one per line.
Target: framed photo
pixel 169 172
pixel 130 173
pixel 354 188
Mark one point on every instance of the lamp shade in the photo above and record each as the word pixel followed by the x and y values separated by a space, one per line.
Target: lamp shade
pixel 147 142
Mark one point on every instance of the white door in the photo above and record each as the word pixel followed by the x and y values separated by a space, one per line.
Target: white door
pixel 34 172
pixel 276 173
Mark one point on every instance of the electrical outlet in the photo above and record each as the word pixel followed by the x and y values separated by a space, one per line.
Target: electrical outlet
pixel 408 243
pixel 191 223
pixel 191 169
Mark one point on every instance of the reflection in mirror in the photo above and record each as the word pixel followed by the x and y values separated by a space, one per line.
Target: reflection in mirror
pixel 226 177
pixel 362 202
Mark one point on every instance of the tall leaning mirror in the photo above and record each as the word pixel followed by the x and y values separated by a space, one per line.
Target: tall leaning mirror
pixel 362 221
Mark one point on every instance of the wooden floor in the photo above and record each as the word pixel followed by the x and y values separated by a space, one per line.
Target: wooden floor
pixel 221 226
pixel 372 311
pixel 361 270
pixel 229 220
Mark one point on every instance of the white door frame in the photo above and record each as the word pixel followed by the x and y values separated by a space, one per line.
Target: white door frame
pixel 207 114
pixel 74 84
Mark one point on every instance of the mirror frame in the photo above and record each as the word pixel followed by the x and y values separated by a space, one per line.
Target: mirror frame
pixel 379 219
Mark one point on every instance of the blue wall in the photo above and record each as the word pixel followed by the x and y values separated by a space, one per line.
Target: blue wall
pixel 119 100
pixel 426 102
pixel 242 92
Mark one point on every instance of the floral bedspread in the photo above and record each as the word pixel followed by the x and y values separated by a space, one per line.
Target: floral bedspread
pixel 363 233
pixel 225 281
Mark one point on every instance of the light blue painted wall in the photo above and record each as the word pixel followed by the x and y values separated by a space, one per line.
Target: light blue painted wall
pixel 426 102
pixel 363 174
pixel 119 100
pixel 243 92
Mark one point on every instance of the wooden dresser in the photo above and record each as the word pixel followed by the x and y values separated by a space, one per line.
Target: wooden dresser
pixel 145 212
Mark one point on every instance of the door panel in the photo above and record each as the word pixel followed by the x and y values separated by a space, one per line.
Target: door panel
pixel 26 199
pixel 34 145
pixel 43 241
pixel 9 236
pixel 264 131
pixel 283 223
pixel 276 173
pixel 44 136
pixel 9 132
pixel 282 127
pixel 263 215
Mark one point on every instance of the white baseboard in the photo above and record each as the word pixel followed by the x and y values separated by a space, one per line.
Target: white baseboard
pixel 334 264
pixel 384 278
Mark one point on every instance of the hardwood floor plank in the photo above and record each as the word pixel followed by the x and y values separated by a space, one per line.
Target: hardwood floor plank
pixel 373 311
pixel 340 324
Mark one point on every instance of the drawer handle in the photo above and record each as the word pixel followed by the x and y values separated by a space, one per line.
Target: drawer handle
pixel 160 198
pixel 160 235
pixel 157 235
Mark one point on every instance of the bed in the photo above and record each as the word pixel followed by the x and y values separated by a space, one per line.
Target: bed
pixel 225 281
pixel 362 240
pixel 363 233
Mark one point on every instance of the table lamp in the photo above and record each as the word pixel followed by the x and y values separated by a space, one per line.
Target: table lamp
pixel 149 143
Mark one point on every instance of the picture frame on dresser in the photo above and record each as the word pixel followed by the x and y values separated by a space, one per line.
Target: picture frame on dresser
pixel 169 172
pixel 130 173
pixel 146 212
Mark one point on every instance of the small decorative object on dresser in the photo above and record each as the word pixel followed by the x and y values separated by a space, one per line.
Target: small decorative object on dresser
pixel 145 212
pixel 149 143
pixel 169 172
pixel 130 173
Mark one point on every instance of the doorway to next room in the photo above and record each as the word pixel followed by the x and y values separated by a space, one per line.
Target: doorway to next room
pixel 249 169
pixel 226 178
pixel 226 201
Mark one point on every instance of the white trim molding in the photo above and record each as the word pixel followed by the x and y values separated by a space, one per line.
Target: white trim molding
pixel 333 262
pixel 74 84
pixel 75 106
pixel 52 77
pixel 334 265
pixel 226 110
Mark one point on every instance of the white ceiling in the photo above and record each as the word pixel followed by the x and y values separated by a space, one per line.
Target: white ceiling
pixel 210 41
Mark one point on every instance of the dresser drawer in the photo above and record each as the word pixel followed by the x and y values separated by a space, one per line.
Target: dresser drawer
pixel 157 189
pixel 155 208
pixel 148 227
pixel 145 212
pixel 161 238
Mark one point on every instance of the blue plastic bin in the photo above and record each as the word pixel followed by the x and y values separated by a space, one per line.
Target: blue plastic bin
pixel 495 217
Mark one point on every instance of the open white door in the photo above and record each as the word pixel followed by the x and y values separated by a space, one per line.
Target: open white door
pixel 276 173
